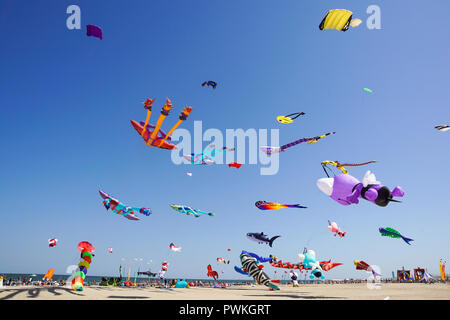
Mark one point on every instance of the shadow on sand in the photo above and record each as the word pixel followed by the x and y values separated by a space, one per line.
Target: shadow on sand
pixel 34 292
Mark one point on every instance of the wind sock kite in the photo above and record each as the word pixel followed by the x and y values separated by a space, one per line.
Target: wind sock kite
pixel 119 208
pixel 361 265
pixel 190 211
pixel 263 205
pixel 346 190
pixel 153 135
pixel 270 150
pixel 333 227
pixel 79 275
pixel 442 269
pixel 389 232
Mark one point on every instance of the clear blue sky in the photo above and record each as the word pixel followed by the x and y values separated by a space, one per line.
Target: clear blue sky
pixel 66 101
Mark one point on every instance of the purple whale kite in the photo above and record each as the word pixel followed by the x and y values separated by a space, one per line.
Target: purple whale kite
pixel 94 31
pixel 346 190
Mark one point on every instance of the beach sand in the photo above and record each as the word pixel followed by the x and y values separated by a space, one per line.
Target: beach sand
pixel 388 291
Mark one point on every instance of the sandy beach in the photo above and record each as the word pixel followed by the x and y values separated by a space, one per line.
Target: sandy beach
pixel 389 291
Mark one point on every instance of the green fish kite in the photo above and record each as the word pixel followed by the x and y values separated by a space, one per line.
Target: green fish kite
pixel 389 232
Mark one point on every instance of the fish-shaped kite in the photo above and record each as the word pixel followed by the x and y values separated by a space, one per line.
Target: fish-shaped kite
pixel 443 127
pixel 189 211
pixel 270 150
pixel 210 83
pixel 264 205
pixel 289 118
pixel 389 232
pixel 260 237
pixel 119 208
pixel 94 31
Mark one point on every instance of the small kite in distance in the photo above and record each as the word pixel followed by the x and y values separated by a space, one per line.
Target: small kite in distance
pixel 234 164
pixel 355 22
pixel 94 31
pixel 443 128
pixel 289 118
pixel 210 83
pixel 333 227
pixel 339 19
pixel 52 242
pixel 189 174
pixel 174 247
pixel 367 90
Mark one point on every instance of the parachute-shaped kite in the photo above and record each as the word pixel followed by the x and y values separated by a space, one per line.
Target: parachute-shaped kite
pixel 79 275
pixel 333 227
pixel 49 274
pixel 289 118
pixel 52 242
pixel 209 83
pixel 443 128
pixel 94 31
pixel 270 150
pixel 174 247
pixel 390 232
pixel 205 157
pixel 339 19
pixel 212 273
pixel 189 211
pixel 254 268
pixel 119 208
pixel 345 189
pixel 264 205
pixel 341 166
pixel 152 135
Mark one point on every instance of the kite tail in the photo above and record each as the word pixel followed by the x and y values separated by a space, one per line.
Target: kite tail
pixel 272 240
pixel 407 240
pixel 295 206
pixel 375 273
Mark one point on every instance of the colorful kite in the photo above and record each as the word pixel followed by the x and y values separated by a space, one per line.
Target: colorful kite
pixel 361 265
pixel 212 273
pixel 442 269
pixel 261 238
pixel 270 150
pixel 204 158
pixel 254 268
pixel 339 19
pixel 367 90
pixel 110 250
pixel 209 83
pixel 222 260
pixel 289 118
pixel 119 208
pixel 152 135
pixel 49 274
pixel 174 247
pixel 162 272
pixel 443 128
pixel 79 275
pixel 341 166
pixel 94 31
pixel 389 232
pixel 308 259
pixel 345 189
pixel 333 227
pixel 189 211
pixel 263 205
pixel 52 242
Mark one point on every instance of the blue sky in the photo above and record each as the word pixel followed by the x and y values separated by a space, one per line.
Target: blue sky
pixel 67 100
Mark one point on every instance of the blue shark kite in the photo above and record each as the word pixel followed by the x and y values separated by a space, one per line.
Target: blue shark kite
pixel 204 158
pixel 189 211
pixel 119 208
